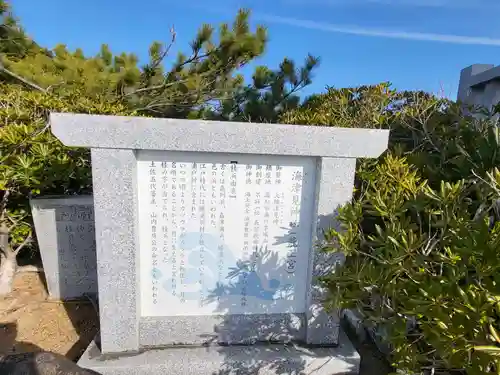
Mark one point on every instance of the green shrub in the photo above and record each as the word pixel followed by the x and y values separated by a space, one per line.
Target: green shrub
pixel 33 161
pixel 422 234
pixel 434 255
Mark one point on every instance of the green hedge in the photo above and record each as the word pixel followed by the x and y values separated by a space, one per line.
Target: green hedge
pixel 32 161
pixel 422 235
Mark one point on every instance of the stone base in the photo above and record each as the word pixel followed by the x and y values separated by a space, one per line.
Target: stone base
pixel 228 360
pixel 355 322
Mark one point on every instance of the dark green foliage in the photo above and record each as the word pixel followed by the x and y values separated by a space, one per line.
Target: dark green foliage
pixel 14 43
pixel 32 160
pixel 271 93
pixel 35 81
pixel 365 106
pixel 206 74
pixel 201 83
pixel 422 235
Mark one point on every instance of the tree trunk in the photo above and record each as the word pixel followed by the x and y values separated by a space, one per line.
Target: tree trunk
pixel 8 268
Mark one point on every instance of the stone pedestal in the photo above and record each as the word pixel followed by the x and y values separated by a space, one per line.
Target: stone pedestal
pixel 259 359
pixel 206 234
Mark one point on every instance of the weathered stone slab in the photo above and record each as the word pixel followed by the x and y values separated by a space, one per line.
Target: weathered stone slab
pixel 229 360
pixel 65 231
pixel 206 233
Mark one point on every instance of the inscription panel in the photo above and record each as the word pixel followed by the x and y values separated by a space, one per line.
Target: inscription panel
pixel 76 250
pixel 226 234
pixel 65 234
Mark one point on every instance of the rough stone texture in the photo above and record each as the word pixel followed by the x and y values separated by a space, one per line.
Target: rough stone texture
pixel 114 140
pixel 229 360
pixel 114 181
pixel 228 329
pixel 363 333
pixel 335 185
pixel 66 237
pixel 373 362
pixel 44 363
pixel 136 133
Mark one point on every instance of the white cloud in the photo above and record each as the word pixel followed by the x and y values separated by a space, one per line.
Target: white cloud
pixel 449 4
pixel 381 33
pixel 428 3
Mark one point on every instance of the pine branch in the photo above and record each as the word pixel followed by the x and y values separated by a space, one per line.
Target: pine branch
pixel 200 98
pixel 21 79
pixel 167 50
pixel 168 84
pixel 159 60
pixel 21 246
pixel 165 85
pixel 3 205
pixel 156 87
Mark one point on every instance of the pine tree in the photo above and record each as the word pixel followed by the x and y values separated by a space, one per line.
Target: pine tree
pixel 202 83
pixel 64 72
pixel 14 43
pixel 270 94
pixel 206 73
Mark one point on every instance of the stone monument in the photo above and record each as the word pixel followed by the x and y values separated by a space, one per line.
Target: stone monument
pixel 66 237
pixel 204 235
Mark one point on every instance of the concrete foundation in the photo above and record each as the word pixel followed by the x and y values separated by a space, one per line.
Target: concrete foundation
pixel 259 359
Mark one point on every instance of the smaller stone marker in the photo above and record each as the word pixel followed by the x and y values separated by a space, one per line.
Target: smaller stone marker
pixel 205 236
pixel 65 231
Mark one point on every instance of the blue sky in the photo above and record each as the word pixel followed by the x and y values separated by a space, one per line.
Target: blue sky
pixel 415 44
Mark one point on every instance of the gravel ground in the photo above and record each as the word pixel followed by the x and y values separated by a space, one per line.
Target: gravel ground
pixel 31 322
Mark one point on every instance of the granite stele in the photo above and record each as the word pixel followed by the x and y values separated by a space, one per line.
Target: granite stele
pixel 66 239
pixel 204 238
